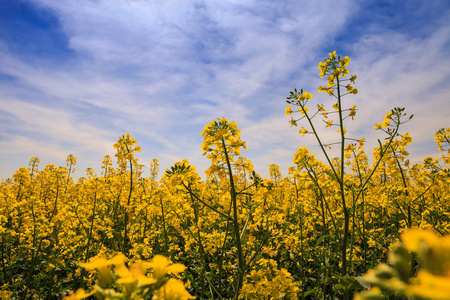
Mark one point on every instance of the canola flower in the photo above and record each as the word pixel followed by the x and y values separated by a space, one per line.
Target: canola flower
pixel 122 282
pixel 51 222
pixel 238 235
pixel 432 280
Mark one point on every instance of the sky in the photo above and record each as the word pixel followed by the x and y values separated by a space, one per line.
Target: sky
pixel 77 75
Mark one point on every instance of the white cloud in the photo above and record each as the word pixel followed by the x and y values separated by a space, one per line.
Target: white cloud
pixel 406 73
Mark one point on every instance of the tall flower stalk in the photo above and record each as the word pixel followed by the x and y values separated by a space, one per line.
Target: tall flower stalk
pixel 126 148
pixel 335 68
pixel 221 143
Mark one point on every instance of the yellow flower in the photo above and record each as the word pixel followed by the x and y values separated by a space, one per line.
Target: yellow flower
pixel 407 138
pixel 345 130
pixel 161 266
pixel 331 80
pixel 133 276
pixel 303 110
pixel 303 131
pixel 329 123
pixel 386 123
pixel 361 142
pixel 344 62
pixel 429 286
pixel 306 95
pixel 336 106
pixel 49 267
pixel 293 122
pixel 173 290
pixel 337 72
pixel 101 264
pixel 78 295
pixel 350 148
pixel 433 252
pixel 288 111
pixel 352 112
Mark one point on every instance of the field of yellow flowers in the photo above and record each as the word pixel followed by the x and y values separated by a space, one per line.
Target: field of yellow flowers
pixel 235 235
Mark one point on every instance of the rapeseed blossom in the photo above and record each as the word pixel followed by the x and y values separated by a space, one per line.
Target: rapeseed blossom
pixel 233 234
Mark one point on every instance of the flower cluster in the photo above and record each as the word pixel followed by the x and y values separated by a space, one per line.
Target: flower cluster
pixel 432 278
pixel 309 234
pixel 335 68
pixel 126 148
pixel 269 282
pixel 222 142
pixel 117 281
pixel 442 139
pixel 293 224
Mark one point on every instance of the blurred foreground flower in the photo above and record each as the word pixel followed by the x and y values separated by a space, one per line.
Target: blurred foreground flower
pixel 122 282
pixel 432 280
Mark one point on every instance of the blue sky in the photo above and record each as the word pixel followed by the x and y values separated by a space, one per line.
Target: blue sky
pixel 76 75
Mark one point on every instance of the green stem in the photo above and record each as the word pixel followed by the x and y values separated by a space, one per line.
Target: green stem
pixel 301 241
pixel 341 185
pixel 404 185
pixel 164 225
pixel 241 265
pixel 320 143
pixel 125 234
pixel 206 204
pixel 363 220
pixel 86 256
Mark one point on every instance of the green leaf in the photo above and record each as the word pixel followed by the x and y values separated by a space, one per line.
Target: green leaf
pixel 339 287
pixel 321 238
pixel 362 282
pixel 331 174
pixel 355 285
pixel 307 293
